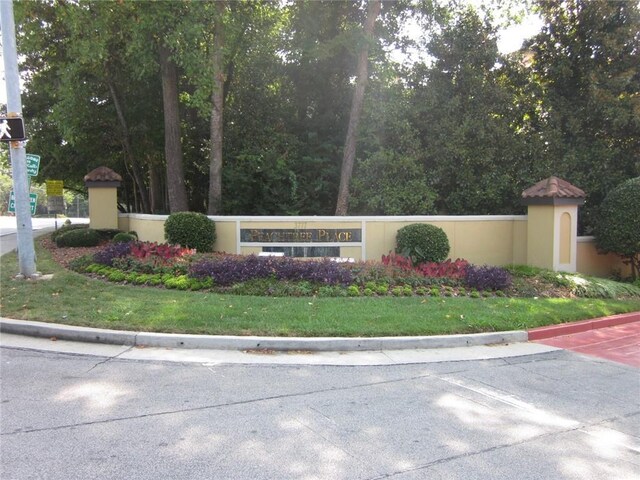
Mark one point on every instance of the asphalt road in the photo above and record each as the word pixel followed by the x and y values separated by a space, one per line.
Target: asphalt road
pixel 39 225
pixel 555 415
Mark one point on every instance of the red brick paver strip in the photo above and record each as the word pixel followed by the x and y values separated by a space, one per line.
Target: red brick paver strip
pixel 577 327
pixel 620 343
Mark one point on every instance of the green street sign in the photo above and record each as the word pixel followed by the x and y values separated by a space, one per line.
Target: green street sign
pixel 33 199
pixel 33 164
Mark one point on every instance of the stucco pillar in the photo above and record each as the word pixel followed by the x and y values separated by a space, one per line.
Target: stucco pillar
pixel 552 224
pixel 103 184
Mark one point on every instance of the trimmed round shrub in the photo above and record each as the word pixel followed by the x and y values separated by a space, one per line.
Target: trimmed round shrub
pixel 67 227
pixel 617 226
pixel 85 237
pixel 107 234
pixel 422 243
pixel 123 237
pixel 190 230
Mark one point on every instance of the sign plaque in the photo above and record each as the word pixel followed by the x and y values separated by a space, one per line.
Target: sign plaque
pixel 306 235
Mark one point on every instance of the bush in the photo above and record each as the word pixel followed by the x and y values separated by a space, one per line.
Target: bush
pixel 81 264
pixel 231 270
pixel 123 237
pixel 117 276
pixel 353 291
pixel 190 230
pixel 592 287
pixel 85 237
pixel 67 227
pixel 422 243
pixel 617 226
pixel 110 252
pixel 180 283
pixel 158 253
pixel 107 234
pixel 487 278
pixel 447 269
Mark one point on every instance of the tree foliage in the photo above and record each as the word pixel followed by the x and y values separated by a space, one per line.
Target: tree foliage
pixel 586 60
pixel 618 223
pixel 263 90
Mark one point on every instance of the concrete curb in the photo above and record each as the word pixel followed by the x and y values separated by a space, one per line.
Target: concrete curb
pixel 313 344
pixel 583 326
pixel 215 342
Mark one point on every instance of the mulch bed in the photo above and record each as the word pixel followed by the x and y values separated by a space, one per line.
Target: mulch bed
pixel 64 255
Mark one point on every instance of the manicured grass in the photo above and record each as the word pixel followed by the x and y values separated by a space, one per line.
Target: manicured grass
pixel 75 299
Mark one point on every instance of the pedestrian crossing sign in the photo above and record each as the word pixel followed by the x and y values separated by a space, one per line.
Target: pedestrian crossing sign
pixel 12 129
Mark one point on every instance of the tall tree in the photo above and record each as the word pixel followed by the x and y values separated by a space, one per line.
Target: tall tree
pixel 159 24
pixel 463 114
pixel 88 104
pixel 349 155
pixel 172 136
pixel 587 62
pixel 216 40
pixel 217 113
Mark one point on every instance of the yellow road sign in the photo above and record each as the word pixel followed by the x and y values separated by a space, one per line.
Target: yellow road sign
pixel 54 188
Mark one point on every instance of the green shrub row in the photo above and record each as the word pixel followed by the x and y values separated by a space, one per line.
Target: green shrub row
pixel 80 235
pixel 84 237
pixel 67 228
pixel 180 282
pixel 271 287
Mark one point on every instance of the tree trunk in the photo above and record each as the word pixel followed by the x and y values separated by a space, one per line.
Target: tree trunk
pixel 172 144
pixel 156 192
pixel 349 154
pixel 138 176
pixel 217 115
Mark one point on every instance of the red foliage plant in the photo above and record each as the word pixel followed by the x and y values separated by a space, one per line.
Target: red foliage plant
pixel 447 269
pixel 158 252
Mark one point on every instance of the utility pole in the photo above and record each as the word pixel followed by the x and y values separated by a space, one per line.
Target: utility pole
pixel 26 250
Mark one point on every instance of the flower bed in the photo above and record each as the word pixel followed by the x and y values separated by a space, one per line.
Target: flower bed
pixel 152 264
pixel 165 266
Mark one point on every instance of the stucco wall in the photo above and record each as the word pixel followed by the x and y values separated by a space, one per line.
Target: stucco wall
pixel 495 240
pixel 591 262
pixel 540 227
pixel 492 240
pixel 103 211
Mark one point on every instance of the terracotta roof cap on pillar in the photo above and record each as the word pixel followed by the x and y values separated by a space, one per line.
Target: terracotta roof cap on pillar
pixel 102 174
pixel 553 191
pixel 102 177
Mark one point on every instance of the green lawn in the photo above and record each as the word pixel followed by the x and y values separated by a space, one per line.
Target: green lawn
pixel 74 299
